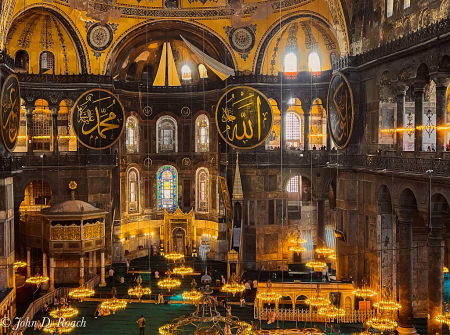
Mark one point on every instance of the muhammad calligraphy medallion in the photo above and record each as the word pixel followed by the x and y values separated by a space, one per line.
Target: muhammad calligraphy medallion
pixel 340 110
pixel 10 110
pixel 98 119
pixel 244 117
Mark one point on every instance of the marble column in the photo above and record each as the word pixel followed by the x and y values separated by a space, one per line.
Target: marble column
pixel 405 271
pixel 54 111
pixel 94 262
pixel 401 94
pixel 102 265
pixel 82 266
pixel 44 264
pixel 306 131
pixel 419 90
pixel 28 262
pixel 435 250
pixel 442 80
pixel 52 273
pixel 29 116
pixel 90 262
pixel 321 241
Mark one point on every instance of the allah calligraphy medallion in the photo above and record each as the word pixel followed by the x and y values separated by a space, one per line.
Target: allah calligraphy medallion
pixel 244 117
pixel 340 110
pixel 98 119
pixel 10 110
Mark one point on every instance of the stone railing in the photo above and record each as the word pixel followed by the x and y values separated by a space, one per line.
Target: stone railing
pixel 64 78
pixel 302 315
pixel 70 160
pixel 36 306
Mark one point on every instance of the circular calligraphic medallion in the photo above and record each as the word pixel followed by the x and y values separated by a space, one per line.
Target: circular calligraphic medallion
pixel 185 111
pixel 244 117
pixel 148 162
pixel 99 37
pixel 186 161
pixel 98 119
pixel 10 112
pixel 147 111
pixel 242 39
pixel 340 110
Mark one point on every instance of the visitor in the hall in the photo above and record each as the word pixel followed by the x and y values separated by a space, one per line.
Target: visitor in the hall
pixel 128 265
pixel 111 275
pixel 141 323
pixel 157 274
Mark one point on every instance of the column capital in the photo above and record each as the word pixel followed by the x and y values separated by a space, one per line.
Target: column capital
pixel 29 110
pixel 441 79
pixel 400 88
pixel 54 110
pixel 420 84
pixel 406 215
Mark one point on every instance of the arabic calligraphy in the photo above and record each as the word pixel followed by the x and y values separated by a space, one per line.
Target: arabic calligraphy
pixel 340 110
pixel 98 119
pixel 244 117
pixel 10 112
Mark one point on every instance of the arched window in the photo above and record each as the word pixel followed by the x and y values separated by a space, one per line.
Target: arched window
pixel 185 72
pixel 292 131
pixel 389 7
pixel 167 134
pixel 132 135
pixel 293 185
pixel 131 73
pixel 133 190
pixel 202 190
pixel 202 70
pixel 314 62
pixel 202 134
pixel 167 187
pixel 290 63
pixel 21 61
pixel 406 4
pixel 46 61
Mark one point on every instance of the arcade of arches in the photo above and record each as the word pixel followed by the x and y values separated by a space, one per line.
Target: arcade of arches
pixel 354 171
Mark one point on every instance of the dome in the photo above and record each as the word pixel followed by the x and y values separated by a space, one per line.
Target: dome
pixel 72 207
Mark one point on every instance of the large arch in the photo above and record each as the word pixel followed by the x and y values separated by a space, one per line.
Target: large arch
pixel 69 26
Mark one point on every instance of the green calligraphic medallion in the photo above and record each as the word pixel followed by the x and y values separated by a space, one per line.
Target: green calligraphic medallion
pixel 10 110
pixel 98 119
pixel 244 117
pixel 340 110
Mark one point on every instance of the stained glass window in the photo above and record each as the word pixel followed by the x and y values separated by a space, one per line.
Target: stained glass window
pixel 166 135
pixel 202 134
pixel 133 190
pixel 290 63
pixel 132 135
pixel 202 70
pixel 314 62
pixel 202 190
pixel 167 187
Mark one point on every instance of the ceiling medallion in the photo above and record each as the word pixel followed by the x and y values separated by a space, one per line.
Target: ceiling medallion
pixel 186 162
pixel 99 37
pixel 147 111
pixel 148 162
pixel 242 39
pixel 185 111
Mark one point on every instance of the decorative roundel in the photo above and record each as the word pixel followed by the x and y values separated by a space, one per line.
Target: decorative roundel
pixel 147 111
pixel 185 111
pixel 186 161
pixel 148 162
pixel 99 37
pixel 242 39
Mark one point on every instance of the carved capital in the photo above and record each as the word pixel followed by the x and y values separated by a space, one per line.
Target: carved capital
pixel 420 84
pixel 54 110
pixel 400 88
pixel 29 110
pixel 441 79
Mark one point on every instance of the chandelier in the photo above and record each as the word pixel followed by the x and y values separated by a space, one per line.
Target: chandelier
pixel 81 292
pixel 234 287
pixel 324 251
pixel 317 300
pixel 174 256
pixel 207 320
pixel 297 248
pixel 445 269
pixel 381 324
pixel 298 240
pixel 19 264
pixel 37 279
pixel 114 304
pixel 331 312
pixel 63 312
pixel 63 327
pixel 410 126
pixel 192 295
pixel 316 264
pixel 183 271
pixel 168 282
pixel 364 292
pixel 269 295
pixel 443 319
pixel 387 305
pixel 332 256
pixel 139 291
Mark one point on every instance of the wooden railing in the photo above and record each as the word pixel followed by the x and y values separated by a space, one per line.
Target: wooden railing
pixel 48 299
pixel 302 315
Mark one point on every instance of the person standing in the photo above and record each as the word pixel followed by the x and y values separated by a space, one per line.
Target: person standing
pixel 223 280
pixel 255 284
pixel 128 265
pixel 111 274
pixel 141 323
pixel 157 274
